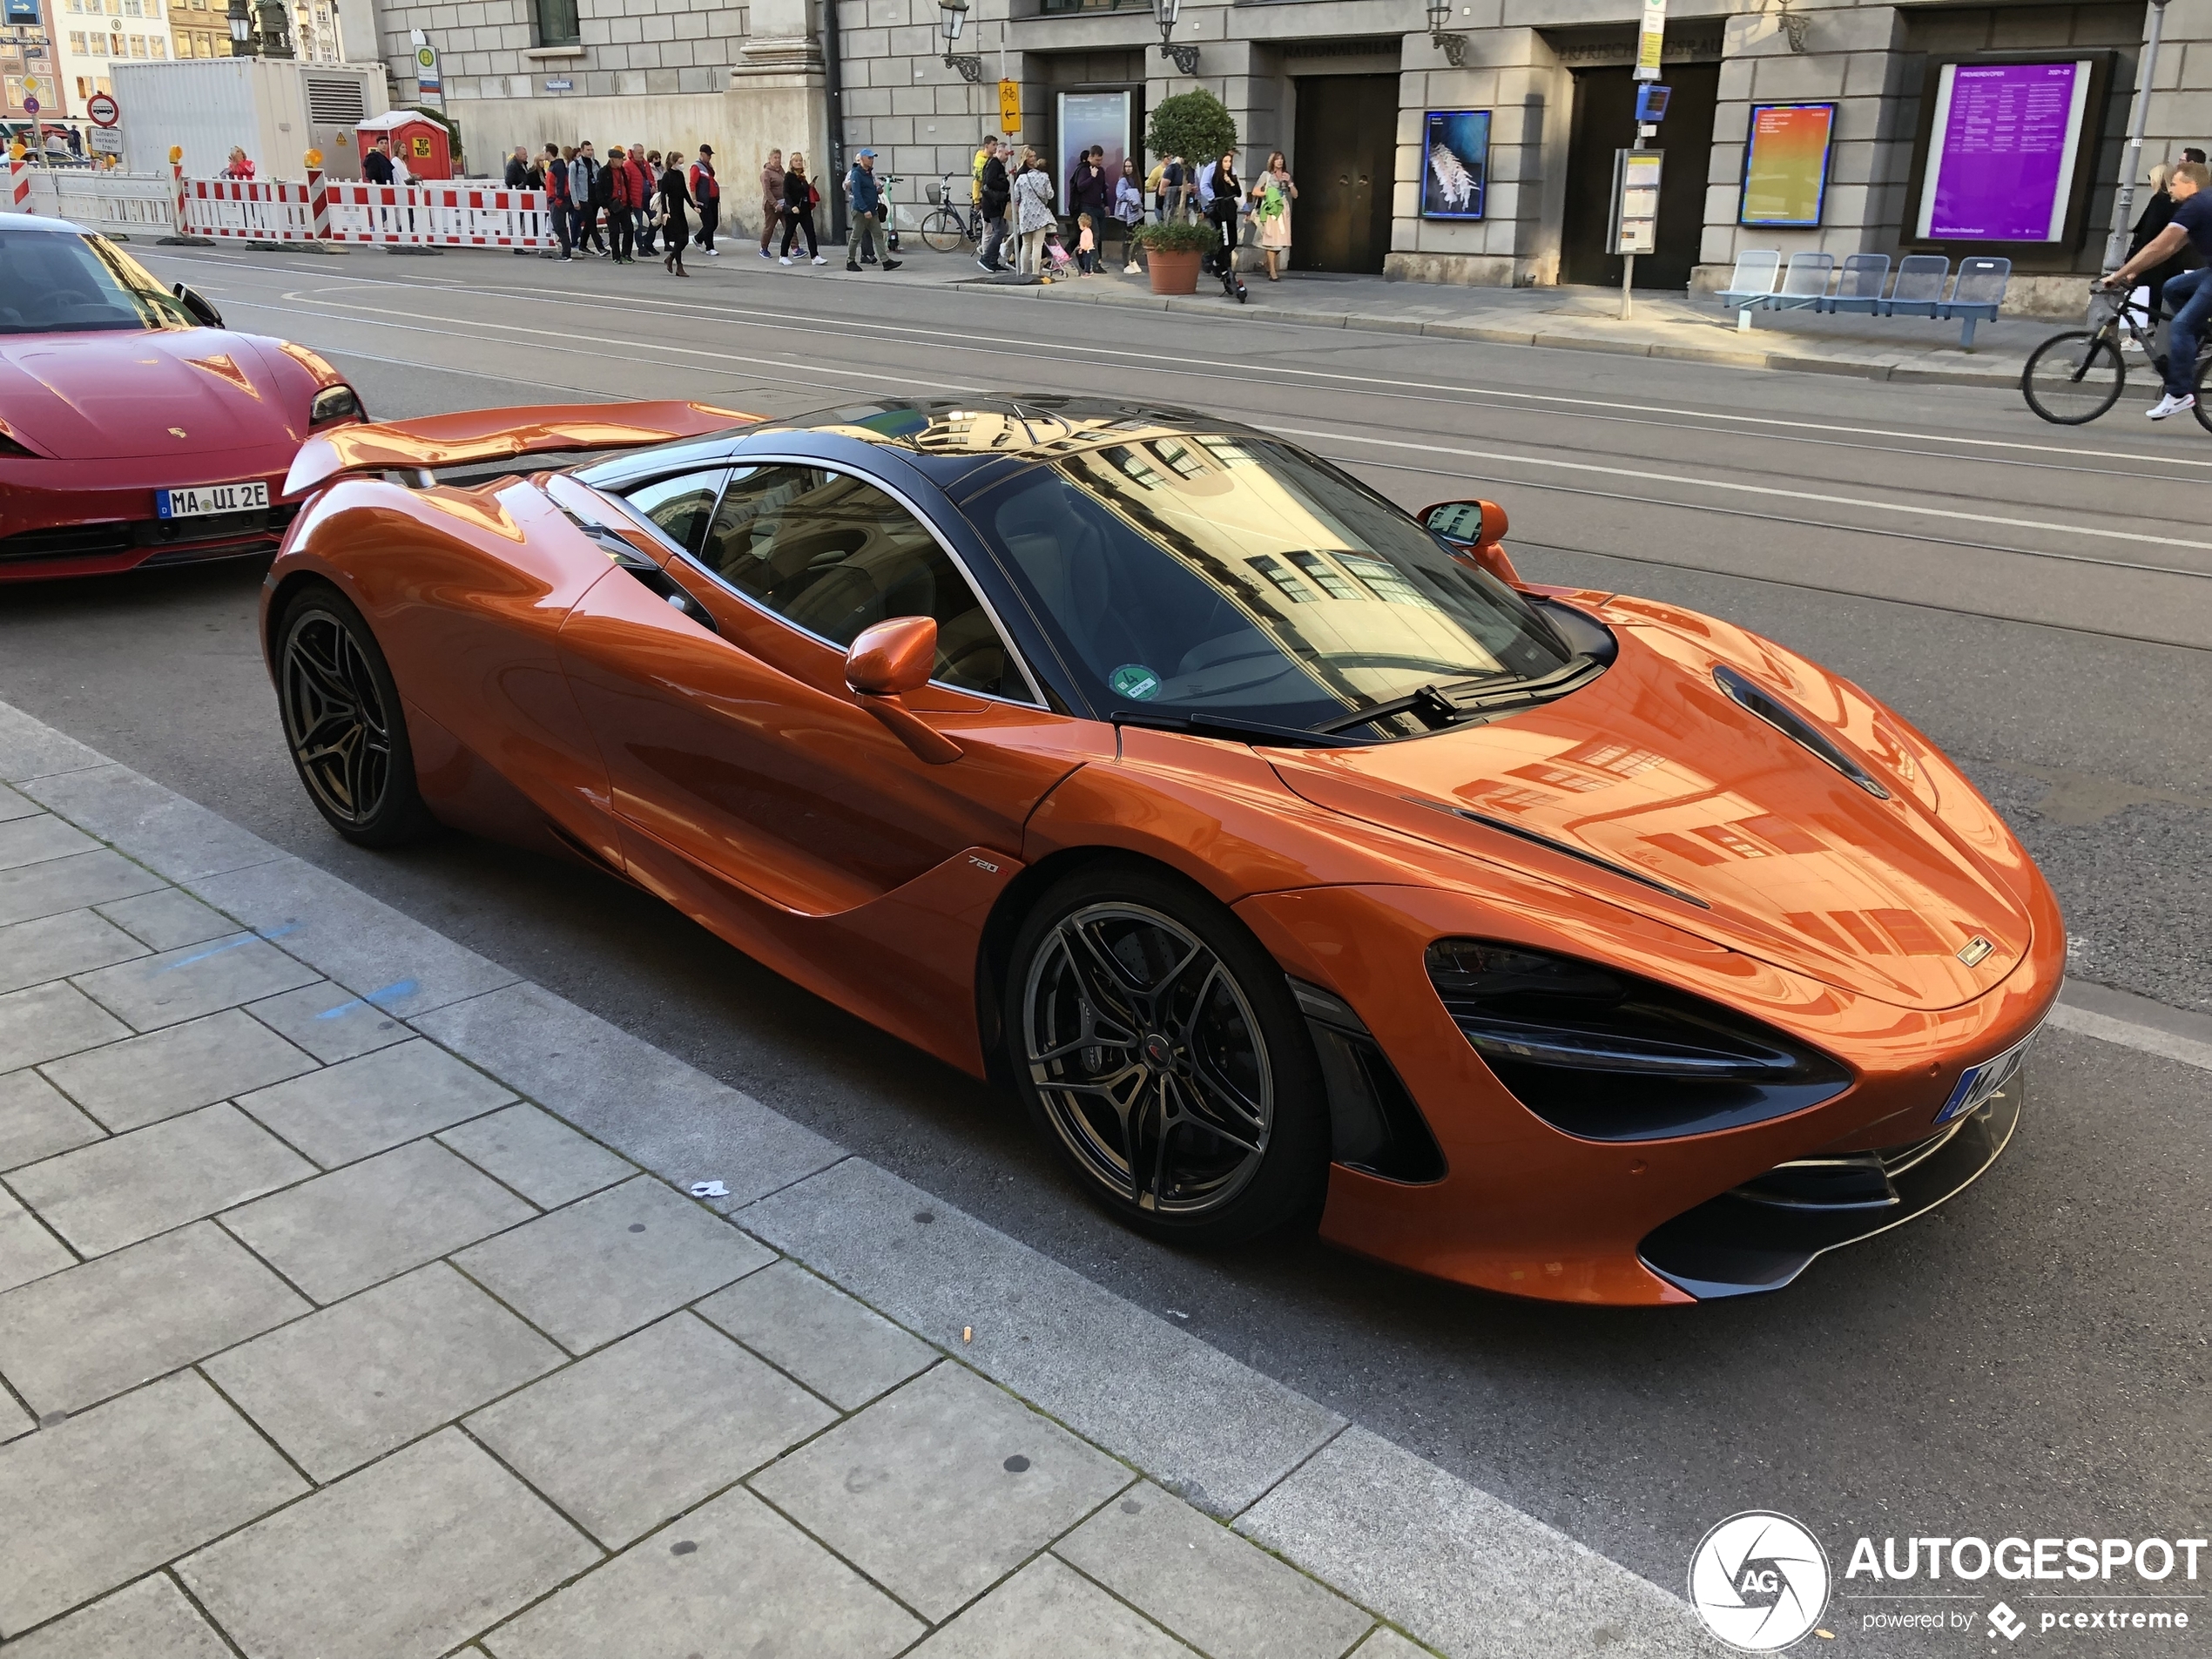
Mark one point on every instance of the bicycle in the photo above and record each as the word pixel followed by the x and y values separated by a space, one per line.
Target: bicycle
pixel 2073 378
pixel 944 227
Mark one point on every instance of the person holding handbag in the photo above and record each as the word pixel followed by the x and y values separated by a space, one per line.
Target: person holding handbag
pixel 1272 194
pixel 799 198
pixel 1033 216
pixel 673 197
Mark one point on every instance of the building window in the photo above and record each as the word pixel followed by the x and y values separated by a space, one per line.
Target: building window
pixel 76 42
pixel 138 45
pixel 557 25
pixel 134 8
pixel 83 87
pixel 158 47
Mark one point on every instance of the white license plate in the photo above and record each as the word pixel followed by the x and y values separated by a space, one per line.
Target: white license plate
pixel 209 498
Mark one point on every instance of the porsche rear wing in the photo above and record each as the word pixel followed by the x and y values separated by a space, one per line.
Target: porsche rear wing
pixel 477 436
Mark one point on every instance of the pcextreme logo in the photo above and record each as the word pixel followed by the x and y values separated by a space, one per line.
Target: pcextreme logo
pixel 1759 1580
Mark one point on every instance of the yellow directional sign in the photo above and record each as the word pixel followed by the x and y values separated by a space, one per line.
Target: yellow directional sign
pixel 1009 106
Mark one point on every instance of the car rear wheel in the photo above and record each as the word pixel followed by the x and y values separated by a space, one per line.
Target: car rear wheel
pixel 1162 1056
pixel 343 724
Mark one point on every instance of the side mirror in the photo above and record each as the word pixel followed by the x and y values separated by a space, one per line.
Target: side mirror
pixel 197 307
pixel 1477 532
pixel 883 665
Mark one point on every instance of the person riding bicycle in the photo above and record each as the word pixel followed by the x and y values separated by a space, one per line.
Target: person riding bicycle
pixel 2189 296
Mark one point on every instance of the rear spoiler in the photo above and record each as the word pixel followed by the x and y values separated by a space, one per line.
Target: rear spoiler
pixel 476 436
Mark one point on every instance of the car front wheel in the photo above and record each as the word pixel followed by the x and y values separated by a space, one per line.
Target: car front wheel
pixel 343 723
pixel 1161 1053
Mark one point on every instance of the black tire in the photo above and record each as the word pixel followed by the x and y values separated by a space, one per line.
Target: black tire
pixel 1194 1029
pixel 2072 379
pixel 2203 389
pixel 343 722
pixel 943 230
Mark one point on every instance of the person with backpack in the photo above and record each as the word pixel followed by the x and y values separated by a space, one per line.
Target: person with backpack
pixel 995 190
pixel 865 194
pixel 560 206
pixel 622 202
pixel 706 196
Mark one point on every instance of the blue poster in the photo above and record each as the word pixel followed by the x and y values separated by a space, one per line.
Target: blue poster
pixel 22 11
pixel 1457 164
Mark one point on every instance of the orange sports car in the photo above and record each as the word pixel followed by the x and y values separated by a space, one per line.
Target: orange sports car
pixel 1289 856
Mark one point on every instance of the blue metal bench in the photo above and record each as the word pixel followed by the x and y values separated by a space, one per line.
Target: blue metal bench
pixel 1752 282
pixel 1804 285
pixel 1860 287
pixel 1976 294
pixel 1919 292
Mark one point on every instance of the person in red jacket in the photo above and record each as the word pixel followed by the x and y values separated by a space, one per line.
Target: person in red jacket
pixel 646 176
pixel 624 199
pixel 560 207
pixel 706 196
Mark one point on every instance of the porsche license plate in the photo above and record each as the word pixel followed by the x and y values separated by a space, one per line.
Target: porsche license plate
pixel 209 498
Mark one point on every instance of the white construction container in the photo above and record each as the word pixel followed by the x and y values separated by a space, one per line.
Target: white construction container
pixel 274 109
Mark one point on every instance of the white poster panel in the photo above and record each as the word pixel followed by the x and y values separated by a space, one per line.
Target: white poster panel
pixel 1087 118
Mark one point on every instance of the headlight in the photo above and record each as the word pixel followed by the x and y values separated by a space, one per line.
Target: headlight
pixel 1612 1057
pixel 335 403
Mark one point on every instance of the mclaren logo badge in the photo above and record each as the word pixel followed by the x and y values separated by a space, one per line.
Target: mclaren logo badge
pixel 1974 949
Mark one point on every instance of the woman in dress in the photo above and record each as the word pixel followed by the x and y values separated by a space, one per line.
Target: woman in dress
pixel 676 225
pixel 1272 194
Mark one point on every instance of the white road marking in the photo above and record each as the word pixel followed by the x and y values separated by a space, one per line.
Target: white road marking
pixel 2129 1035
pixel 1868 502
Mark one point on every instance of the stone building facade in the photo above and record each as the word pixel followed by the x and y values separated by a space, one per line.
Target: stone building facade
pixel 1344 88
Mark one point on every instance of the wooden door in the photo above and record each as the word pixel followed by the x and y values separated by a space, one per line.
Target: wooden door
pixel 1605 120
pixel 1346 159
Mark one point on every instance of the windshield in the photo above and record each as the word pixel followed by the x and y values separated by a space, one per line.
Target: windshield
pixel 1237 576
pixel 52 281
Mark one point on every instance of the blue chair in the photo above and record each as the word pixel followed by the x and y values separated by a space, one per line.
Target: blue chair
pixel 1919 292
pixel 1752 282
pixel 1977 294
pixel 1860 287
pixel 1804 285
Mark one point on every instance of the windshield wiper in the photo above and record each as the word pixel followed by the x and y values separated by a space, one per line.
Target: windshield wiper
pixel 1438 706
pixel 1199 724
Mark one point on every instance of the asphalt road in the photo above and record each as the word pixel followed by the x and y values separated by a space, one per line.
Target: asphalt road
pixel 2030 1358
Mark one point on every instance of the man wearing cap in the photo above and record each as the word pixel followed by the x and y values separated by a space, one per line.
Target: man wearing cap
pixel 864 196
pixel 706 192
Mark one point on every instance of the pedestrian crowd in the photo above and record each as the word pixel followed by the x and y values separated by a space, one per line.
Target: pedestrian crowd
pixel 638 201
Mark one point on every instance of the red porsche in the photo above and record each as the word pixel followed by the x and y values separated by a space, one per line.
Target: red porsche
pixel 135 429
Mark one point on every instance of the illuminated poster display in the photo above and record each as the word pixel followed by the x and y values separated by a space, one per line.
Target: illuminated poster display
pixel 1785 165
pixel 1457 163
pixel 2001 151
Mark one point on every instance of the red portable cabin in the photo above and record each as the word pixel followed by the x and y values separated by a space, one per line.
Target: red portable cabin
pixel 416 139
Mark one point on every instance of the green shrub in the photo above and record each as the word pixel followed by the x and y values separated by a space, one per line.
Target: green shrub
pixel 1195 126
pixel 1179 236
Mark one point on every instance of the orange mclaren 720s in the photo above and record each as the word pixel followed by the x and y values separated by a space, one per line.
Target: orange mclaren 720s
pixel 1289 856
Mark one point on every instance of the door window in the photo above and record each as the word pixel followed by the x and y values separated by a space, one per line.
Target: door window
pixel 833 555
pixel 679 507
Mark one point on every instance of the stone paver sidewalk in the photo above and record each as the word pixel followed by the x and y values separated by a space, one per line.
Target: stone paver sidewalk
pixel 354 1303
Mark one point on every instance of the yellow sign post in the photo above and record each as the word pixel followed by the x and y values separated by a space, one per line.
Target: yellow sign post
pixel 1651 39
pixel 1010 107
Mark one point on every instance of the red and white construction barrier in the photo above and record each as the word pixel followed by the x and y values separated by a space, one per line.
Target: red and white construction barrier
pixel 248 210
pixel 439 215
pixel 18 186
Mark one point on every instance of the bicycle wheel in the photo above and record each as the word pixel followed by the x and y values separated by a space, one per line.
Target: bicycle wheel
pixel 2204 392
pixel 2072 379
pixel 942 230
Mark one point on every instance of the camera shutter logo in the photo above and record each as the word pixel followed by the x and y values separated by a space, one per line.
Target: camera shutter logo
pixel 1759 1580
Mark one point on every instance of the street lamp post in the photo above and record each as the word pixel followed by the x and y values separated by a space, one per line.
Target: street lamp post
pixel 241 21
pixel 1164 13
pixel 1454 47
pixel 952 14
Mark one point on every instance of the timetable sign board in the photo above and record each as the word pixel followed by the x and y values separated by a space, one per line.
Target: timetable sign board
pixel 2001 151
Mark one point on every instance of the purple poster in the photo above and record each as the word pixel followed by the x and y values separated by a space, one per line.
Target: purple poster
pixel 2002 148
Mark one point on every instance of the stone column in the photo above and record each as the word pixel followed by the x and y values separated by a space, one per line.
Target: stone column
pixel 779 99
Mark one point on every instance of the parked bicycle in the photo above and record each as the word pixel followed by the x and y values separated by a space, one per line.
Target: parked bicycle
pixel 2073 378
pixel 946 226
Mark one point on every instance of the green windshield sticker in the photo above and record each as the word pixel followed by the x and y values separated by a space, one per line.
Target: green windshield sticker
pixel 1134 680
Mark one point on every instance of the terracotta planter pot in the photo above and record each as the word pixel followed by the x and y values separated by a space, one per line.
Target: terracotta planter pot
pixel 1173 272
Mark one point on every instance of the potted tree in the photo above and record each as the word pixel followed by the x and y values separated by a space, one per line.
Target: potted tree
pixel 1197 126
pixel 1173 252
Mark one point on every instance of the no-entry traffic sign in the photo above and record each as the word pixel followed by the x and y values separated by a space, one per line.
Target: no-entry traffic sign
pixel 101 107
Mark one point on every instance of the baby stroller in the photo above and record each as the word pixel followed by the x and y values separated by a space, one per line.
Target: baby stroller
pixel 1223 258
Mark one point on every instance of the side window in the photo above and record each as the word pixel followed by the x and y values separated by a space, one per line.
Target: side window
pixel 834 555
pixel 680 506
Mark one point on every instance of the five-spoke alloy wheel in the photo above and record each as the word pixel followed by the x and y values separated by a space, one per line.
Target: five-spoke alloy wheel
pixel 1159 1049
pixel 343 724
